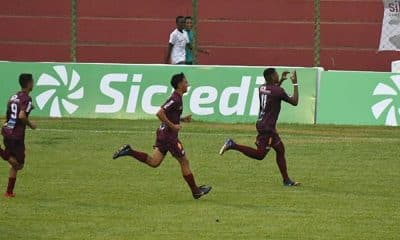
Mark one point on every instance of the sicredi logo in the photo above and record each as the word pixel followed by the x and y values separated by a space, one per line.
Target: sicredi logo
pixel 53 85
pixel 60 90
pixel 203 100
pixel 388 106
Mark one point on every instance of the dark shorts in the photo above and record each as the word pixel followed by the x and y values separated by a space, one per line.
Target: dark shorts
pixel 175 147
pixel 16 149
pixel 266 140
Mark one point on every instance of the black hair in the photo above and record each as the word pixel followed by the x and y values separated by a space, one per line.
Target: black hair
pixel 25 79
pixel 188 17
pixel 268 73
pixel 176 79
pixel 179 17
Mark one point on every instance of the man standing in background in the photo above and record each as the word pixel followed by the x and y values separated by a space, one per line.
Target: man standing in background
pixel 188 29
pixel 178 41
pixel 189 51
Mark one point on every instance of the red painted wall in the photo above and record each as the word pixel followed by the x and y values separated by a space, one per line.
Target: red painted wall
pixel 128 31
pixel 281 33
pixel 350 34
pixel 237 32
pixel 36 30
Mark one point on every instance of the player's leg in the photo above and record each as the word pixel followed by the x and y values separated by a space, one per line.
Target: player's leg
pixel 16 161
pixel 187 174
pixel 156 159
pixel 279 148
pixel 153 161
pixel 258 153
pixel 12 176
pixel 281 160
pixel 4 153
pixel 178 152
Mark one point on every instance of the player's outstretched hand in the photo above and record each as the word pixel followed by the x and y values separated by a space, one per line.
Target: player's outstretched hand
pixel 187 118
pixel 294 77
pixel 177 127
pixel 33 126
pixel 284 75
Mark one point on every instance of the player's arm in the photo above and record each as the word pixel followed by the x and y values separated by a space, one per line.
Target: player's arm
pixel 168 55
pixel 294 99
pixel 25 120
pixel 200 50
pixel 163 118
pixel 283 77
pixel 187 118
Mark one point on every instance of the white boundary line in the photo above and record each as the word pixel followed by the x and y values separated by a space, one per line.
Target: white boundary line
pixel 139 131
pixel 252 135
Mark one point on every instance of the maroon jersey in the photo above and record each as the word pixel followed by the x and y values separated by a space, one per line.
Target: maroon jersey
pixel 14 128
pixel 270 106
pixel 173 108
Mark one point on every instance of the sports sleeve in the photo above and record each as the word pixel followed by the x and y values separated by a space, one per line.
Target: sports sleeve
pixel 24 104
pixel 284 96
pixel 172 38
pixel 169 105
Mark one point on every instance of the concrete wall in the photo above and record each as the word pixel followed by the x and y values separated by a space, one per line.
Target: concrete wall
pixel 251 32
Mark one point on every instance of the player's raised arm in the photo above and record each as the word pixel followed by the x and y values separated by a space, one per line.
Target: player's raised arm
pixel 294 99
pixel 283 77
pixel 163 118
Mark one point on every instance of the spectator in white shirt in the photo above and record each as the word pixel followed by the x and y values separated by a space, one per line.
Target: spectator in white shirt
pixel 178 41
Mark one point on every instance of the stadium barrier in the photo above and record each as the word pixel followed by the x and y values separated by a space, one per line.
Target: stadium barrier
pixel 359 98
pixel 129 91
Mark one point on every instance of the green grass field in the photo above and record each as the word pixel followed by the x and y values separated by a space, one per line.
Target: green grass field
pixel 71 189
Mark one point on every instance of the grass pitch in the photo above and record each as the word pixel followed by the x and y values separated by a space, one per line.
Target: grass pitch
pixel 71 189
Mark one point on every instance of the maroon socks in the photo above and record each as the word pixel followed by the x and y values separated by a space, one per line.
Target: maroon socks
pixel 259 154
pixel 192 184
pixel 11 184
pixel 280 160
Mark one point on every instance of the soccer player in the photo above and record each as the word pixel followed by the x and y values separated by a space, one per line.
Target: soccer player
pixel 18 109
pixel 271 95
pixel 178 41
pixel 167 137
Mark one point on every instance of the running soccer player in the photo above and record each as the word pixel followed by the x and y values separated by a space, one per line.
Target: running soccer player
pixel 167 137
pixel 18 109
pixel 271 95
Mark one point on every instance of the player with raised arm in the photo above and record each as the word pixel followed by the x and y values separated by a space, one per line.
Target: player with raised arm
pixel 271 95
pixel 167 137
pixel 18 109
